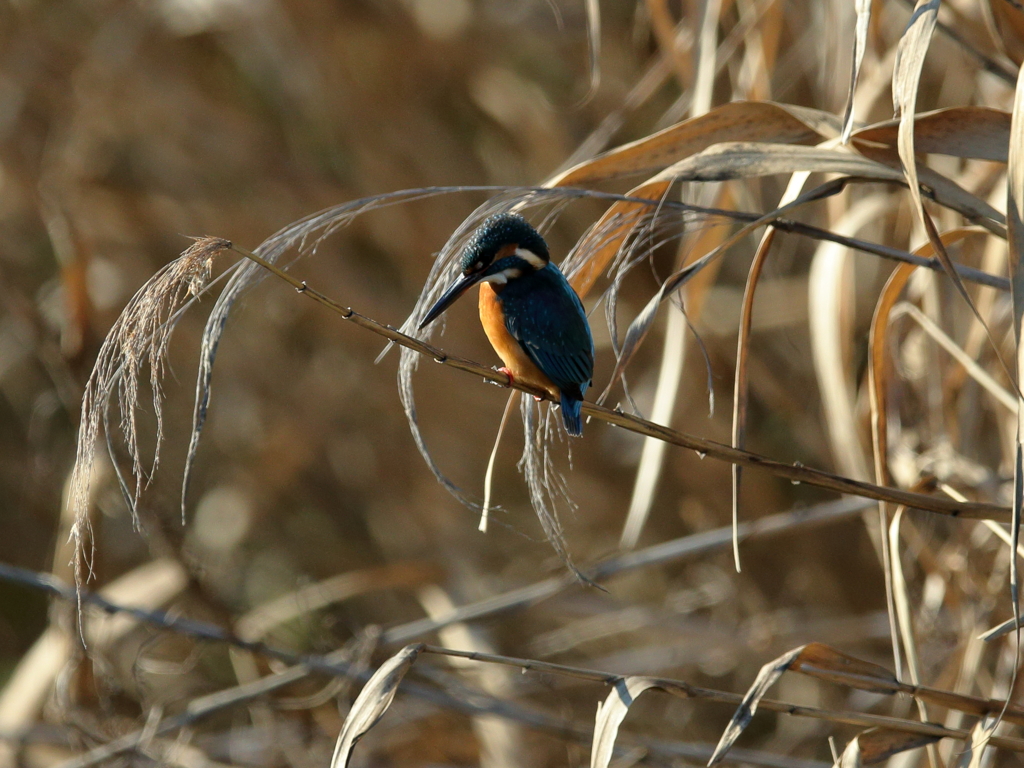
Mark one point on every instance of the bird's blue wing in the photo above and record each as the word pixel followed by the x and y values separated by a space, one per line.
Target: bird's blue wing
pixel 544 314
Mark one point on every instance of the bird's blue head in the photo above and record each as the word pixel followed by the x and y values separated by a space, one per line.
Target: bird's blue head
pixel 504 248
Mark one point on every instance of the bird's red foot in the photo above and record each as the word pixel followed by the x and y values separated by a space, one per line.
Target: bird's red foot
pixel 512 380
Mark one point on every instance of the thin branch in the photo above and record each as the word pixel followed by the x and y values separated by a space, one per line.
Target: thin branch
pixel 668 551
pixel 684 690
pixel 331 664
pixel 335 664
pixel 796 473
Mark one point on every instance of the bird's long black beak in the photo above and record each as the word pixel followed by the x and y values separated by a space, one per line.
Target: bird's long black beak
pixel 460 286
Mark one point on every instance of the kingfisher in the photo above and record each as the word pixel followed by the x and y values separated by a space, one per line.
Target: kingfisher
pixel 531 315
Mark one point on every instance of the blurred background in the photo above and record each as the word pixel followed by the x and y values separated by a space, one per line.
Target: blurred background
pixel 128 126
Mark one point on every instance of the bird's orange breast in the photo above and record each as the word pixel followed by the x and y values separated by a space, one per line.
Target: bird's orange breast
pixel 511 353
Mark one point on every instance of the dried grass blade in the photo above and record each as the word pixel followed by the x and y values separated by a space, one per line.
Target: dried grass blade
pixel 860 43
pixel 979 133
pixel 673 358
pixel 642 323
pixel 943 191
pixel 611 232
pixel 769 673
pixel 674 350
pixel 877 744
pixel 675 49
pixel 974 750
pixel 901 600
pixel 489 474
pixel 904 615
pixel 610 715
pixel 878 377
pixel 140 337
pixel 905 81
pixel 704 83
pixel 373 701
pixel 826 663
pixel 830 308
pixel 750 159
pixel 906 77
pixel 1015 262
pixel 740 390
pixel 652 455
pixel 737 121
pixel 593 47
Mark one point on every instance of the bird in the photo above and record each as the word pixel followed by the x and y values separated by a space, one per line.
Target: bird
pixel 530 314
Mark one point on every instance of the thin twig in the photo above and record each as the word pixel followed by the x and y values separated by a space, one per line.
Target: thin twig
pixel 336 663
pixel 684 690
pixel 331 664
pixel 795 473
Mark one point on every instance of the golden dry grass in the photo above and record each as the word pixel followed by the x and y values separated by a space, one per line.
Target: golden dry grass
pixel 763 195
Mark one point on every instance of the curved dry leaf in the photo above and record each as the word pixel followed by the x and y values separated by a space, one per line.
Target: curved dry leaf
pixel 740 390
pixel 749 159
pixel 612 230
pixel 823 662
pixel 826 663
pixel 737 121
pixel 906 78
pixel 830 291
pixel 974 750
pixel 652 455
pixel 910 54
pixel 901 603
pixel 816 660
pixel 878 363
pixel 1015 262
pixel 943 191
pixel 769 673
pixel 744 160
pixel 860 44
pixel 641 324
pixel 979 133
pixel 373 701
pixel 610 715
pixel 877 744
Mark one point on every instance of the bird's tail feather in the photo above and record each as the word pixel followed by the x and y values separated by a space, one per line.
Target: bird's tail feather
pixel 571 415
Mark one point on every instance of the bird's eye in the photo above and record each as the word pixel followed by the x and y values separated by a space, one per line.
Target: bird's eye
pixel 478 265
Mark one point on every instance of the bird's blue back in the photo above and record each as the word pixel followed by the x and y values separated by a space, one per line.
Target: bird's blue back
pixel 544 314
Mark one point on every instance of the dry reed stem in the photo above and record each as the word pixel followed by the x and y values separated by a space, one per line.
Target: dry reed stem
pixel 793 472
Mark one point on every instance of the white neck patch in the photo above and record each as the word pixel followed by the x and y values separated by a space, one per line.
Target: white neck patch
pixel 531 258
pixel 501 278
